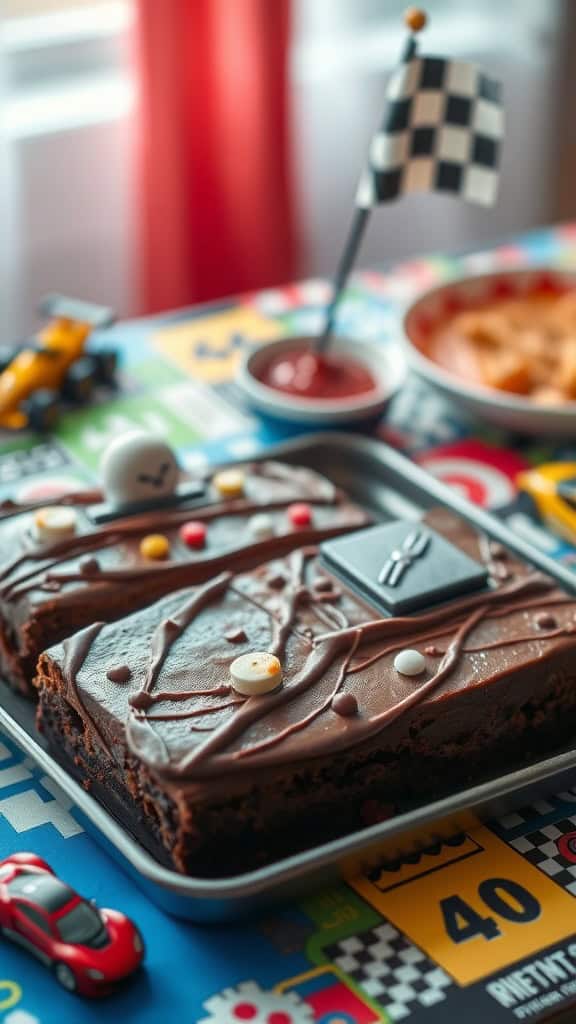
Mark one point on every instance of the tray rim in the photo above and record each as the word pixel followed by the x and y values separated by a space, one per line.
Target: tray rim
pixel 258 882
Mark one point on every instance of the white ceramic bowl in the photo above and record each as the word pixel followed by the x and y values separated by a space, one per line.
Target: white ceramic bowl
pixel 512 412
pixel 386 363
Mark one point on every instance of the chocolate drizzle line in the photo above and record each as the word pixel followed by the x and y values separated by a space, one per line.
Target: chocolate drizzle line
pixel 378 722
pixel 76 649
pixel 329 647
pixel 510 641
pixel 518 595
pixel 297 593
pixel 441 631
pixel 139 733
pixel 180 574
pixel 318 662
pixel 10 508
pixel 380 628
pixel 176 695
pixel 267 611
pixel 162 519
pixel 195 712
pixel 170 629
pixel 303 722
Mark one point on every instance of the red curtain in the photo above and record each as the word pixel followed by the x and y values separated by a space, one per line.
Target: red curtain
pixel 215 204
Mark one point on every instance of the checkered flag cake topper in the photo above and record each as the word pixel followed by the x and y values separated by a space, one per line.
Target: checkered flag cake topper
pixel 442 130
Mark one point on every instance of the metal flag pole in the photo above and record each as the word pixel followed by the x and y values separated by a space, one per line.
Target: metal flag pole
pixel 415 21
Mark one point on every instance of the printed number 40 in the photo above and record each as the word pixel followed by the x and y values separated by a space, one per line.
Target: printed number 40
pixel 503 897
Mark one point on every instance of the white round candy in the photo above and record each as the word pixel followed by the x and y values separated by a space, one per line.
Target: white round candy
pixel 410 663
pixel 261 526
pixel 138 466
pixel 55 523
pixel 256 673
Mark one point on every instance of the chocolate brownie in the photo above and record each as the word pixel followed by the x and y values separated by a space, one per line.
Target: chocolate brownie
pixel 218 768
pixel 50 588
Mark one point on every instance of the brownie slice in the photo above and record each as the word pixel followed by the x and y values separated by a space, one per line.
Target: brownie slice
pixel 49 591
pixel 143 711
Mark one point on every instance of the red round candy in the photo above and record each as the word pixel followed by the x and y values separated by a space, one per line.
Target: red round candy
pixel 300 514
pixel 193 534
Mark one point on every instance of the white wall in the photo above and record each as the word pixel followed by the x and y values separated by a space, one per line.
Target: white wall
pixel 65 129
pixel 9 259
pixel 76 216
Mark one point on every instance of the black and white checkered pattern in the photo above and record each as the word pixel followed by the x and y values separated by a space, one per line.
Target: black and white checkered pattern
pixel 442 132
pixel 529 814
pixel 540 849
pixel 390 969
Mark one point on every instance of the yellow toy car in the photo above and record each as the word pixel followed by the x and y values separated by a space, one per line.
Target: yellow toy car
pixel 37 377
pixel 552 488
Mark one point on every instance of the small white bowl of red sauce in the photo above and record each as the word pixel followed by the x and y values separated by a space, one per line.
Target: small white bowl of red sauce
pixel 351 383
pixel 502 346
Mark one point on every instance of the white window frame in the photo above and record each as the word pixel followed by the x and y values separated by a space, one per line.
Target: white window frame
pixel 66 69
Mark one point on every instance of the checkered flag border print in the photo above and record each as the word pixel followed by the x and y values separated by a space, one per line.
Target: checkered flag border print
pixel 392 970
pixel 543 849
pixel 442 132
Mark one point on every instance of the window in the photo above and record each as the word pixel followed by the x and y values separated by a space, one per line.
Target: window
pixel 46 890
pixel 34 917
pixel 33 8
pixel 65 123
pixel 65 63
pixel 81 925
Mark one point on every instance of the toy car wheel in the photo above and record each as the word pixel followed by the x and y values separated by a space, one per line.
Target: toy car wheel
pixel 79 382
pixel 105 362
pixel 65 976
pixel 42 408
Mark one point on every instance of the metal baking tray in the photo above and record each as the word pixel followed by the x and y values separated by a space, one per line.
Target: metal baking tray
pixel 390 487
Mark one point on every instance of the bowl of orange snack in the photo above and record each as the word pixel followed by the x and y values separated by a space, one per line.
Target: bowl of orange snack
pixel 503 346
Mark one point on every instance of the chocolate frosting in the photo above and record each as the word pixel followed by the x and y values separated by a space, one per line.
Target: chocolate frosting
pixel 100 573
pixel 179 717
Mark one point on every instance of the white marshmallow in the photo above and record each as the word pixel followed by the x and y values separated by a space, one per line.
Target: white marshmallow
pixel 138 466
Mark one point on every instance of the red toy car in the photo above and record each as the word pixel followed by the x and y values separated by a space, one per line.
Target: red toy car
pixel 88 949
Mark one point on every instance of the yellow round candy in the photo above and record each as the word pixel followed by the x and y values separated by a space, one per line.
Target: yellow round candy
pixel 229 483
pixel 155 547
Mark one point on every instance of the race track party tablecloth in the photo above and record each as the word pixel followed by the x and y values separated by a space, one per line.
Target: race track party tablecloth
pixel 479 929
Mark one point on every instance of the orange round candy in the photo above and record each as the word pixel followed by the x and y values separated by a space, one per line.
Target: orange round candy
pixel 415 19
